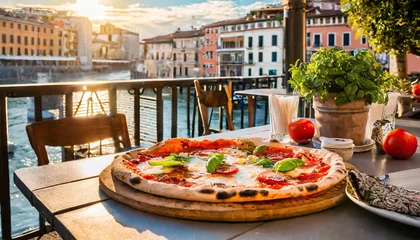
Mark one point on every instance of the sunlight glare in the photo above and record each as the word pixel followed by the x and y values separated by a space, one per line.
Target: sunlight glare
pixel 89 8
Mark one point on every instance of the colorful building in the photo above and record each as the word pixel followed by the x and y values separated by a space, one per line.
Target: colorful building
pixel 253 45
pixel 174 55
pixel 330 28
pixel 208 58
pixel 38 39
pixel 114 43
pixel 20 37
pixel 158 60
pixel 188 46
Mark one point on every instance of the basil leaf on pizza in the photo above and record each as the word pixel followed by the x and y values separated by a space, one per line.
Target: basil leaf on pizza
pixel 228 170
pixel 214 161
pixel 170 161
pixel 287 164
pixel 259 149
pixel 265 162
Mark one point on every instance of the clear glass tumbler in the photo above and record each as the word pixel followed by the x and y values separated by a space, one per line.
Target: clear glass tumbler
pixel 390 108
pixel 283 110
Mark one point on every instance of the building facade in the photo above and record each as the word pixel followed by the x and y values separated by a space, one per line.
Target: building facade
pixel 158 61
pixel 23 38
pixel 29 37
pixel 330 28
pixel 114 43
pixel 208 58
pixel 327 27
pixel 253 45
pixel 187 46
pixel 174 55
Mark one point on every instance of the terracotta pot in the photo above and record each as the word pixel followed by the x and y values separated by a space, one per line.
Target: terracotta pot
pixel 344 121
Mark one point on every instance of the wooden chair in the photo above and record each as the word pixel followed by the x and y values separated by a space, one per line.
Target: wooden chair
pixel 211 99
pixel 77 131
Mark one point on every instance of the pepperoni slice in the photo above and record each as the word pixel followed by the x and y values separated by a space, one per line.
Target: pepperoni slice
pixel 227 169
pixel 143 158
pixel 279 157
pixel 272 179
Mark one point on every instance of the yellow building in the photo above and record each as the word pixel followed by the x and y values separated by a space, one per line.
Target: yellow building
pixel 19 37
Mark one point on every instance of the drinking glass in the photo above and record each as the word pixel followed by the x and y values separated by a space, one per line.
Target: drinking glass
pixel 390 108
pixel 283 110
pixel 375 113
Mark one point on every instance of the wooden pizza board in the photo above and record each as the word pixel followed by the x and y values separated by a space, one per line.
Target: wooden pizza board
pixel 224 212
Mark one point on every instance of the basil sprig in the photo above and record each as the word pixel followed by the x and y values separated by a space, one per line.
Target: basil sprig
pixel 287 164
pixel 259 149
pixel 172 160
pixel 214 161
pixel 265 162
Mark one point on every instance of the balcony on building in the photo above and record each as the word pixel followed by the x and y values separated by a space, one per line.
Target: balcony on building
pixel 231 44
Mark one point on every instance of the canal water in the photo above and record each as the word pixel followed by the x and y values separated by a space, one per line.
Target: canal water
pixel 24 216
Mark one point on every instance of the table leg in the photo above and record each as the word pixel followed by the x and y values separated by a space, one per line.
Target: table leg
pixel 251 111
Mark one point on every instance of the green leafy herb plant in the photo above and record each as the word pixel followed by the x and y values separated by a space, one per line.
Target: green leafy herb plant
pixel 348 77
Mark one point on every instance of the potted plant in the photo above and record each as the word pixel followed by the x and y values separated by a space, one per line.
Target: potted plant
pixel 342 87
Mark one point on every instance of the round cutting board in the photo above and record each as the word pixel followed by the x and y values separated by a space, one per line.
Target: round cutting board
pixel 225 212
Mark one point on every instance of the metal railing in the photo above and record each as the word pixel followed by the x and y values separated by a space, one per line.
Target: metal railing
pixel 136 88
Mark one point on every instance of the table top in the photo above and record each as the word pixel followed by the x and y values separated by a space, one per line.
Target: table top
pixel 68 196
pixel 264 92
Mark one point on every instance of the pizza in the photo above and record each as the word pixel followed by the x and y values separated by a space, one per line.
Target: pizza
pixel 228 170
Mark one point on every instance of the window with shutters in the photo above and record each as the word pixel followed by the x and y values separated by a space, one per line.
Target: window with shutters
pixel 346 39
pixel 260 41
pixel 274 56
pixel 274 40
pixel 250 42
pixel 331 39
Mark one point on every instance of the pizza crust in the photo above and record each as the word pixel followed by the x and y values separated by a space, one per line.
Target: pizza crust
pixel 210 193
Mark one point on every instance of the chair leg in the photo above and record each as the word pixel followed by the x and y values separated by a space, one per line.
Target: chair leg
pixel 42 226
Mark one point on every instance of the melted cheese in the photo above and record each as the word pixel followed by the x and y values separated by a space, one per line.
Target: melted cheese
pixel 247 175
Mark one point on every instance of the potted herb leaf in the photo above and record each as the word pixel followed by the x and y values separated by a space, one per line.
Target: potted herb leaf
pixel 342 87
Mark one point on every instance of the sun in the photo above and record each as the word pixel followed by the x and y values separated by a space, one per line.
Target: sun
pixel 89 8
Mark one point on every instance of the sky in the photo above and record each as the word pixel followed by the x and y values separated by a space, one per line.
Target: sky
pixel 150 18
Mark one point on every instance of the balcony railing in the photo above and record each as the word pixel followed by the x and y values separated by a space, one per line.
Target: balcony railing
pixel 232 62
pixel 142 102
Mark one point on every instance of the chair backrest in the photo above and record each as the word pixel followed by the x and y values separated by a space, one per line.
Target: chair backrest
pixel 76 131
pixel 211 99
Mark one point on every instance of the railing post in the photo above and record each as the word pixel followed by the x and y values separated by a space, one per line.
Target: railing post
pixel 112 101
pixel 174 126
pixel 159 114
pixel 136 113
pixel 69 105
pixel 4 172
pixel 188 111
pixel 68 152
pixel 38 108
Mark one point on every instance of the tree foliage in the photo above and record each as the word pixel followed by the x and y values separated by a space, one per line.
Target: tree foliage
pixel 392 26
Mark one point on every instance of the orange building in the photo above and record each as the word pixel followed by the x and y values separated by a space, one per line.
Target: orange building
pixel 19 37
pixel 329 28
pixel 208 58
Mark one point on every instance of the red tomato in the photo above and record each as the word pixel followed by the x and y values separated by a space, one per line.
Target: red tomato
pixel 302 131
pixel 416 89
pixel 227 169
pixel 400 144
